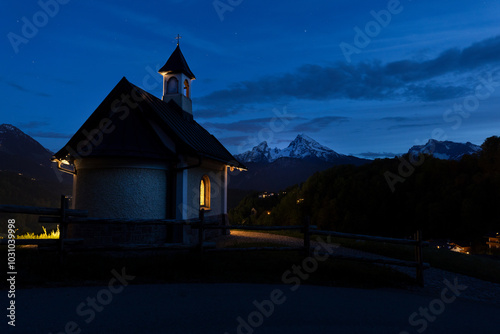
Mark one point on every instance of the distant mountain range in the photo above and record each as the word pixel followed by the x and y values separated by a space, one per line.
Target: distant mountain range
pixel 302 147
pixel 446 150
pixel 273 169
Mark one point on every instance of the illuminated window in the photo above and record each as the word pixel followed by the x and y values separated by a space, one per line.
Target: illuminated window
pixel 186 89
pixel 205 192
pixel 172 85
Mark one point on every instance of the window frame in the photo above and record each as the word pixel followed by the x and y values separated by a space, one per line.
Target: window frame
pixel 187 89
pixel 205 181
pixel 173 79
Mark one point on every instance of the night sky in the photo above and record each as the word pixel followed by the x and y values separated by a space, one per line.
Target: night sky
pixel 368 78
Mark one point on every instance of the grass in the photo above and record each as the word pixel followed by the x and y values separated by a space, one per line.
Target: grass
pixel 43 269
pixel 51 235
pixel 478 266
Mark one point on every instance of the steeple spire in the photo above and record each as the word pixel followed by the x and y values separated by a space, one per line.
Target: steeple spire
pixel 177 64
pixel 177 78
pixel 178 38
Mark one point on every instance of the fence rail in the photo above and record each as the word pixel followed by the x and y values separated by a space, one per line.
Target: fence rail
pixel 97 221
pixel 411 242
pixel 64 216
pixel 32 210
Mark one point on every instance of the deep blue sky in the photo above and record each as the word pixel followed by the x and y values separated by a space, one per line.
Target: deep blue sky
pixel 421 75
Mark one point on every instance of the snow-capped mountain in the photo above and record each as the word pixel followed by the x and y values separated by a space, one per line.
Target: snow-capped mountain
pixel 273 169
pixel 260 153
pixel 446 150
pixel 302 147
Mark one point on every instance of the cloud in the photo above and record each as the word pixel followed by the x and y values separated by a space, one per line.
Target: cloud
pixel 248 125
pixel 156 25
pixel 377 155
pixel 416 125
pixel 235 141
pixel 435 92
pixel 399 80
pixel 224 110
pixel 31 124
pixel 218 112
pixel 280 121
pixel 395 119
pixel 26 90
pixel 319 123
pixel 212 112
pixel 49 134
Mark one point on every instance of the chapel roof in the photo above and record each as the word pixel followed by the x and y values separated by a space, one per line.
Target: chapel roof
pixel 135 123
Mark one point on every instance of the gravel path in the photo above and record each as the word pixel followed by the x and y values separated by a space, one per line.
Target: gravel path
pixel 476 289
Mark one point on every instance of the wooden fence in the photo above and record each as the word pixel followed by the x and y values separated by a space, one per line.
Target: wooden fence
pixel 309 230
pixel 64 216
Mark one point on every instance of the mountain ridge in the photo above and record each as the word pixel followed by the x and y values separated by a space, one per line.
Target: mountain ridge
pixel 273 169
pixel 446 150
pixel 302 147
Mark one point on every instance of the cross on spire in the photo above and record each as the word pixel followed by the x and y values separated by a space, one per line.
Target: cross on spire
pixel 178 38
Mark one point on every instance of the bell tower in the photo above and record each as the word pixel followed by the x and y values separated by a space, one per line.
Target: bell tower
pixel 177 79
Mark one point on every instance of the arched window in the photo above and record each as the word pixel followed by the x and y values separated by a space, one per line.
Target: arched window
pixel 187 91
pixel 205 192
pixel 172 85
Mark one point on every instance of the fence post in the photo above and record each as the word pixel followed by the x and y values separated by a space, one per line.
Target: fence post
pixel 307 236
pixel 419 258
pixel 63 228
pixel 200 231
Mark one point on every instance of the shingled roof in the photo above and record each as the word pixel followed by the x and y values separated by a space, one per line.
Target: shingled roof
pixel 136 123
pixel 177 64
